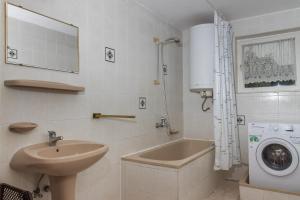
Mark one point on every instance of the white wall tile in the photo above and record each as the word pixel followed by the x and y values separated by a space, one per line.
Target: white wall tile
pixel 281 107
pixel 194 181
pixel 110 88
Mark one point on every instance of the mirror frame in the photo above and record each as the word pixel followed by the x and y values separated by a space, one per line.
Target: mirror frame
pixel 36 66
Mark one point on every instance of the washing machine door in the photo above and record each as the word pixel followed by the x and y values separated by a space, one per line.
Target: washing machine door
pixel 277 157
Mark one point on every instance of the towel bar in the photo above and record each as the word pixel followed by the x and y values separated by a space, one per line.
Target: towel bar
pixel 100 115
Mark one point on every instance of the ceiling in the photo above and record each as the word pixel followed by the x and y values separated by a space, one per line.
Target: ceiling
pixel 185 13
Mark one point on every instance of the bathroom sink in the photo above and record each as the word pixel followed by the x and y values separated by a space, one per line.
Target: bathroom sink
pixel 61 163
pixel 67 158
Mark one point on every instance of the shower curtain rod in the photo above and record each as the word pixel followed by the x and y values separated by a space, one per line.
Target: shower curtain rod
pixel 215 9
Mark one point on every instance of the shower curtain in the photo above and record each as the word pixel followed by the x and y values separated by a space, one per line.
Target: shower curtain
pixel 227 150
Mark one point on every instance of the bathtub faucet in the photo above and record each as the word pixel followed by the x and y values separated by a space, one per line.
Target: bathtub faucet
pixel 163 123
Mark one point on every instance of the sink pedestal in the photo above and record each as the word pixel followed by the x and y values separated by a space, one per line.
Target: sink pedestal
pixel 61 163
pixel 63 187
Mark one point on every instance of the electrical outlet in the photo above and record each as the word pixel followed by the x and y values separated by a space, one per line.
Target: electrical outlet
pixel 241 119
pixel 142 102
pixel 165 69
pixel 12 53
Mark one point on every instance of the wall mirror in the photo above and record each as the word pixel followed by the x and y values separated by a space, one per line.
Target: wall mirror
pixel 35 40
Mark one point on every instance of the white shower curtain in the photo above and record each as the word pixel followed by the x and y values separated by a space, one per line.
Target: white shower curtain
pixel 227 150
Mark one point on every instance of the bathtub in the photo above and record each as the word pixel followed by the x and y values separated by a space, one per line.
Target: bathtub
pixel 179 170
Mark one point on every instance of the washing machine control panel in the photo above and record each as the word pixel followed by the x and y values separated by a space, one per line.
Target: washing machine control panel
pixel 257 131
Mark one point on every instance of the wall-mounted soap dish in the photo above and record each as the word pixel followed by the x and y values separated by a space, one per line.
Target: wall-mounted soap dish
pixel 22 127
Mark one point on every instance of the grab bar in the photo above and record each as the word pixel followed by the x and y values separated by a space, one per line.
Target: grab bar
pixel 100 115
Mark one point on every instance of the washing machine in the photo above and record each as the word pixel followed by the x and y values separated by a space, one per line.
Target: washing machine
pixel 274 156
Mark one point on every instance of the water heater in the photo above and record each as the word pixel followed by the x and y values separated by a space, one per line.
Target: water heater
pixel 202 57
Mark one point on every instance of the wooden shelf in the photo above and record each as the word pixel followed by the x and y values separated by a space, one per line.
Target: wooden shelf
pixel 34 84
pixel 22 127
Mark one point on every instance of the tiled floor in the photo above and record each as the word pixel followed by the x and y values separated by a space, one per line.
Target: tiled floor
pixel 227 191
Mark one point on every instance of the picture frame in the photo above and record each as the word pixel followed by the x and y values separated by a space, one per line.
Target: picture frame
pixel 241 42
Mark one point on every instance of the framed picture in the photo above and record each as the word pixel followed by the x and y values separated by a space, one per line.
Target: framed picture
pixel 268 63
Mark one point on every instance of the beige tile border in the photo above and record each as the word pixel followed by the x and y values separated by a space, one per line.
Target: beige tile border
pixel 244 182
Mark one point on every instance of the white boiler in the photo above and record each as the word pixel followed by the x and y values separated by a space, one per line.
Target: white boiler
pixel 202 57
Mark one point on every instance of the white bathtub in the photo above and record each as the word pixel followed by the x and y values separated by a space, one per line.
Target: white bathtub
pixel 180 170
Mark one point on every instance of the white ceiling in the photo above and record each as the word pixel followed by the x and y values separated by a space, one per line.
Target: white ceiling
pixel 185 13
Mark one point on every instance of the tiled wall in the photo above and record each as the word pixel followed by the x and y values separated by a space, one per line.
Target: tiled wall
pixel 196 180
pixel 147 182
pixel 110 88
pixel 264 107
pixel 267 107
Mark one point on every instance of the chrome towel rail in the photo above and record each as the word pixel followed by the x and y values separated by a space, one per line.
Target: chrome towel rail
pixel 100 115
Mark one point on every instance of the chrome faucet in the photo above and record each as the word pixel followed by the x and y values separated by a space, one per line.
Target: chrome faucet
pixel 53 139
pixel 163 123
